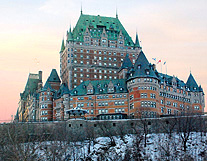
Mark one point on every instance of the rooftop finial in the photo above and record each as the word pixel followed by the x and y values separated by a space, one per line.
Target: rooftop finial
pixel 81 9
pixel 116 13
pixel 70 27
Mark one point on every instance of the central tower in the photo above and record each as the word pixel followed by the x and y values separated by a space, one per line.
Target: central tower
pixel 95 50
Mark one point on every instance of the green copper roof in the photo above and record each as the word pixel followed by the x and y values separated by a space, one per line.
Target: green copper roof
pixel 96 24
pixel 137 42
pixel 142 67
pixel 100 87
pixel 53 76
pixel 62 46
pixel 191 83
pixel 63 90
pixel 127 64
pixel 31 86
pixel 46 86
pixel 70 35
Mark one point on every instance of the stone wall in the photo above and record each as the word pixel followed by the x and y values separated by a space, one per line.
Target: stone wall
pixel 76 130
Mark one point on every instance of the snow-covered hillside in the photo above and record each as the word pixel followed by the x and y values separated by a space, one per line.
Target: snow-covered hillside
pixel 129 147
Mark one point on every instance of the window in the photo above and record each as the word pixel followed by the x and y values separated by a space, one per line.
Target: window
pixel 91 111
pixel 143 95
pixel 131 97
pixel 169 111
pixel 152 95
pixel 162 110
pixel 131 105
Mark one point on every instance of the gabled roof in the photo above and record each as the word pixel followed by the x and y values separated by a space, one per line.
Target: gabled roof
pixel 100 87
pixel 53 76
pixel 46 86
pixel 191 83
pixel 63 90
pixel 96 24
pixel 127 64
pixel 141 67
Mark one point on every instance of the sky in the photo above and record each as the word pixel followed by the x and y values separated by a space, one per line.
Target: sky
pixel 31 33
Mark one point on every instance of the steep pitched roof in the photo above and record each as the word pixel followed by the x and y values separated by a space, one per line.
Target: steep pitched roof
pixel 46 86
pixel 70 35
pixel 137 44
pixel 168 80
pixel 63 90
pixel 142 68
pixel 53 76
pixel 31 86
pixel 62 46
pixel 100 87
pixel 191 83
pixel 127 64
pixel 96 24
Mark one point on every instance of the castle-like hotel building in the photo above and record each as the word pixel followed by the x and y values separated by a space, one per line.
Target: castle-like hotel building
pixel 106 74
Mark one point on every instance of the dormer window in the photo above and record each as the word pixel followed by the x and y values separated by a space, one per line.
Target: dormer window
pixel 111 90
pixel 147 71
pixel 139 66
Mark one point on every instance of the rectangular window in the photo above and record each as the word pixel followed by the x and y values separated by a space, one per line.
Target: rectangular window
pixel 131 105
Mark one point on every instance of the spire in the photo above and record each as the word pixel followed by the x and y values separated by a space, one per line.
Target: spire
pixel 70 28
pixel 53 76
pixel 70 35
pixel 116 13
pixel 62 46
pixel 137 41
pixel 81 9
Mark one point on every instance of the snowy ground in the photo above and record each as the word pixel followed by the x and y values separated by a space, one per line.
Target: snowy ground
pixel 128 147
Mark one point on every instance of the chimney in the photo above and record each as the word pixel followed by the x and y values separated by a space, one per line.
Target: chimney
pixel 154 67
pixel 40 80
pixel 40 76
